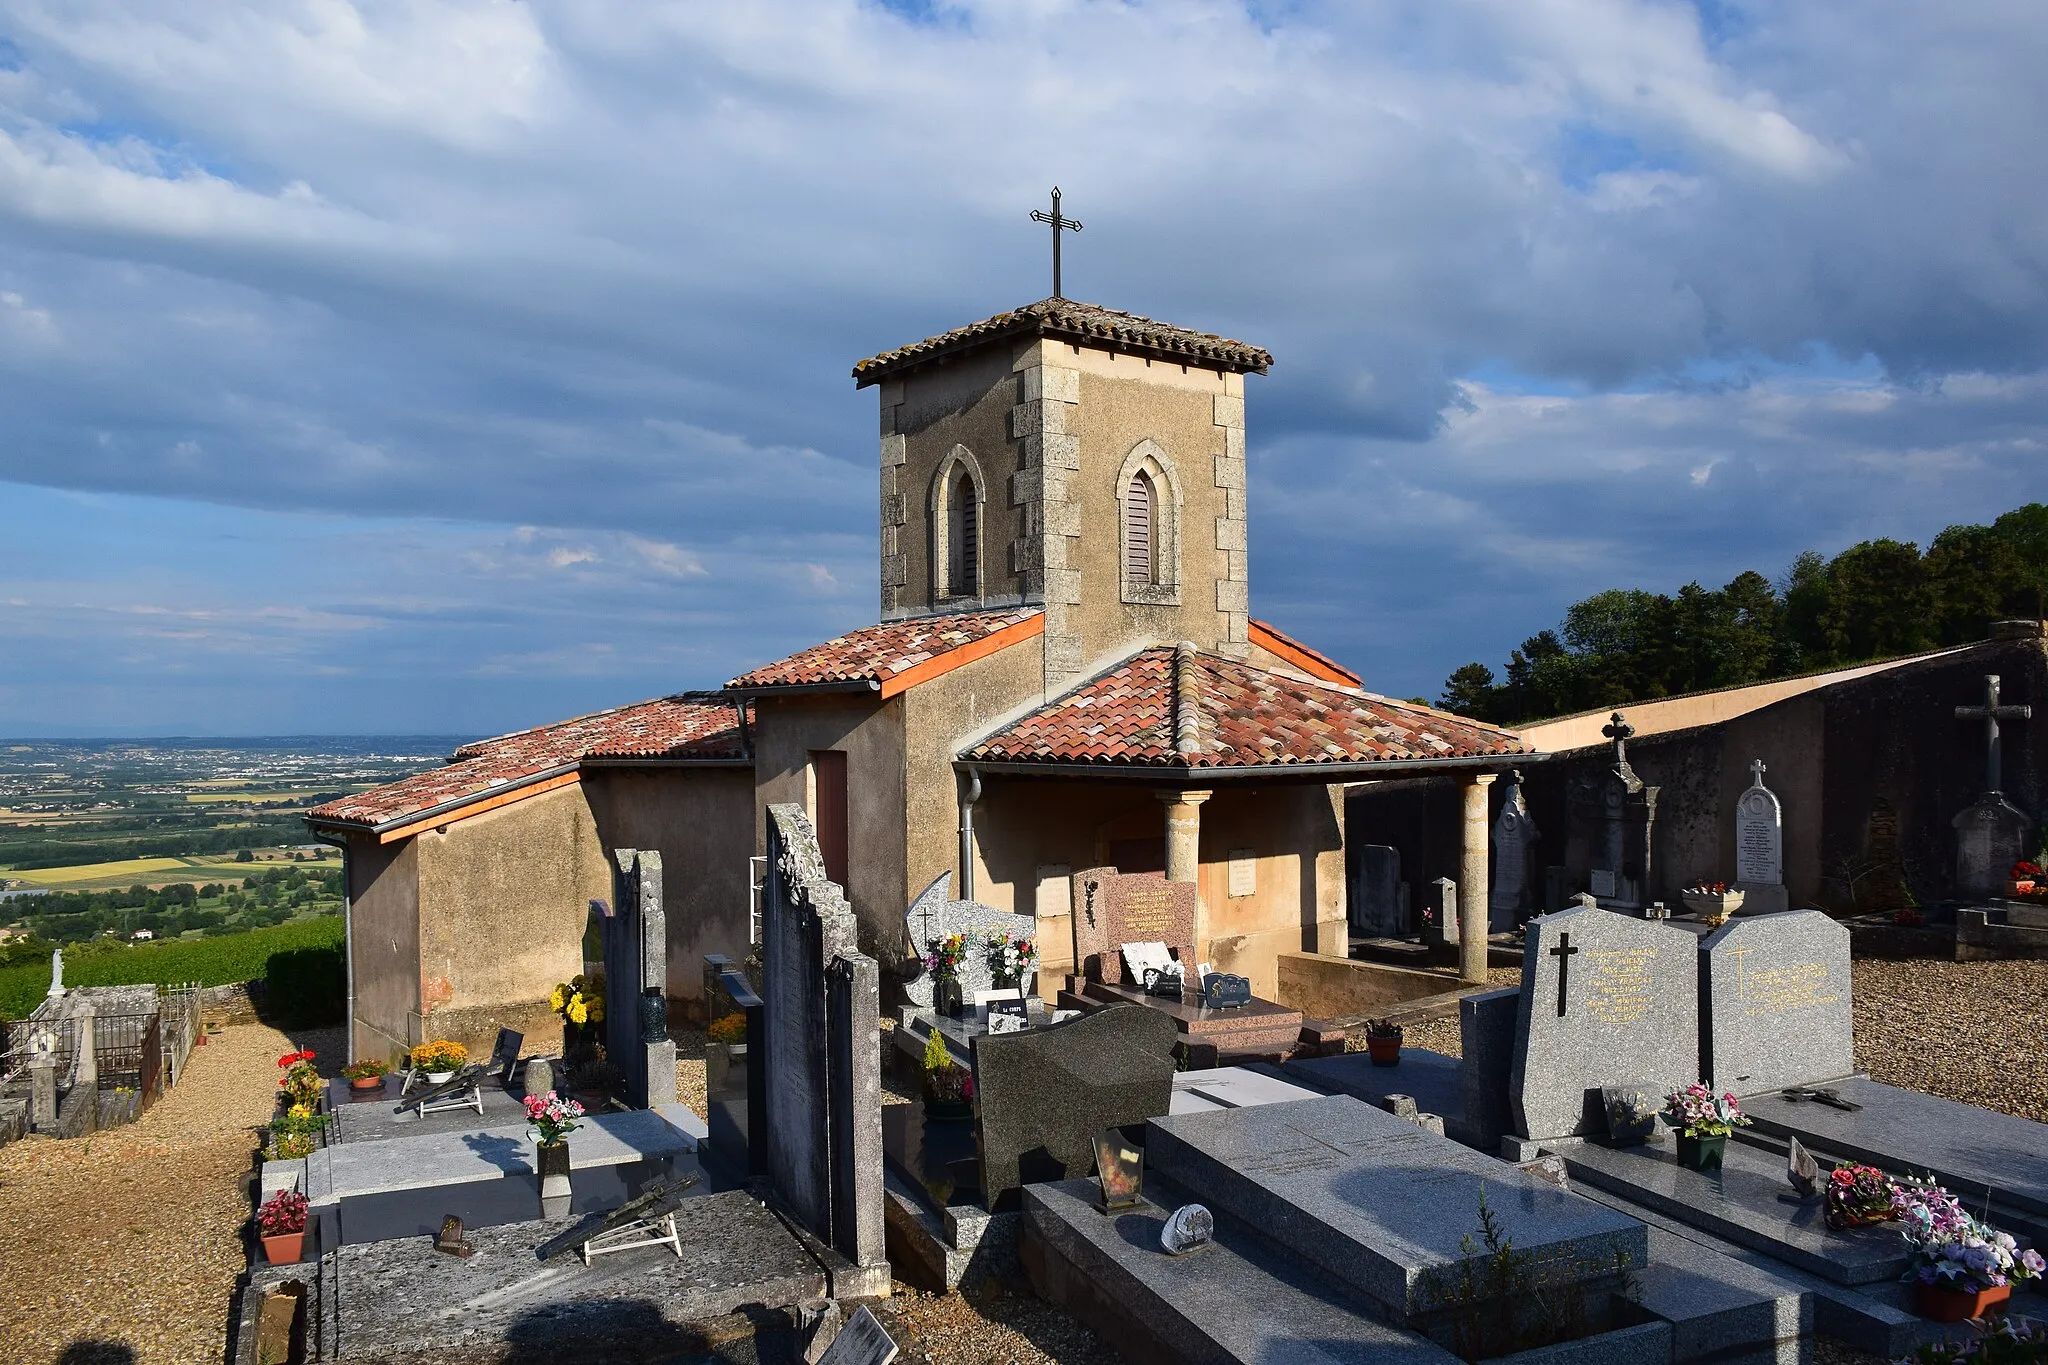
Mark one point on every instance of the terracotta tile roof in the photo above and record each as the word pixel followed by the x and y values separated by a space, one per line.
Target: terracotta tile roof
pixel 1067 320
pixel 694 725
pixel 1177 707
pixel 897 654
pixel 1313 662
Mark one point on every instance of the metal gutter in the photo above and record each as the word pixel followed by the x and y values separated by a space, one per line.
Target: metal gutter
pixel 1184 774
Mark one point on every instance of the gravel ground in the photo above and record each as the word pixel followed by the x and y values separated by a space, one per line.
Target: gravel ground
pixel 1440 1035
pixel 690 1083
pixel 124 1247
pixel 1970 1031
pixel 987 1326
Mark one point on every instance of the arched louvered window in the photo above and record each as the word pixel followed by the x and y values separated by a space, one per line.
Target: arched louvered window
pixel 962 537
pixel 1140 509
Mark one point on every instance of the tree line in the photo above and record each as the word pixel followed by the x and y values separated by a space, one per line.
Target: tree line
pixel 1875 600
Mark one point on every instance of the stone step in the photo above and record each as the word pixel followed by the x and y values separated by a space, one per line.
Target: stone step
pixel 1380 1204
pixel 1235 1302
pixel 1747 1202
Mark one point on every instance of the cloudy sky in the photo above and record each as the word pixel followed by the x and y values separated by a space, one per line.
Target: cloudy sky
pixel 398 366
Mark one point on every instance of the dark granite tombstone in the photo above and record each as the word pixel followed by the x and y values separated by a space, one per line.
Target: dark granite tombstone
pixel 1046 1095
pixel 1223 991
pixel 505 1055
pixel 1375 900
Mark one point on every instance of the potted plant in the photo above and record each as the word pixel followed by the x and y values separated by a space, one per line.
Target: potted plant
pixel 948 1086
pixel 724 1041
pixel 1703 1120
pixel 1713 902
pixel 294 1133
pixel 2025 878
pixel 281 1224
pixel 550 1119
pixel 1859 1197
pixel 942 959
pixel 300 1083
pixel 1383 1042
pixel 1961 1266
pixel 1010 960
pixel 440 1059
pixel 367 1074
pixel 580 1003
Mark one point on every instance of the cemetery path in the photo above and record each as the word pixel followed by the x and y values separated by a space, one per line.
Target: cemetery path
pixel 124 1247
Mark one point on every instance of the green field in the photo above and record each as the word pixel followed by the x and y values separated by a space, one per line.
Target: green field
pixel 209 961
pixel 118 876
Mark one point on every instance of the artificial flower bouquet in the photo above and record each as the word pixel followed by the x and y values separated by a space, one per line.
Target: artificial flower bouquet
pixel 551 1118
pixel 1951 1249
pixel 1858 1196
pixel 301 1079
pixel 441 1055
pixel 1697 1112
pixel 1009 959
pixel 943 956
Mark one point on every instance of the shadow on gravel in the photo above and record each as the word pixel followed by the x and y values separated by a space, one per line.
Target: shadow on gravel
pixel 97 1353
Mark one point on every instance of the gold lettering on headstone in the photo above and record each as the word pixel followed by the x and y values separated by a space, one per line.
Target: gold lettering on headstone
pixel 1147 913
pixel 1620 991
pixel 1775 990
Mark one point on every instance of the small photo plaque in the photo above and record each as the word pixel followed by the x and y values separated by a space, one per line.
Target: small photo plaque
pixel 1601 881
pixel 1120 1166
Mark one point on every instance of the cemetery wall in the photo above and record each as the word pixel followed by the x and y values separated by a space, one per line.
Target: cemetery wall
pixel 701 822
pixel 384 915
pixel 1125 400
pixel 1024 827
pixel 508 894
pixel 966 402
pixel 786 731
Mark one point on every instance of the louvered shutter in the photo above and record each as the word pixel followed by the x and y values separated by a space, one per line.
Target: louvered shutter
pixel 970 540
pixel 1138 530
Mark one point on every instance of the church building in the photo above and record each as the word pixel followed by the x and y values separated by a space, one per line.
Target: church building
pixel 1065 674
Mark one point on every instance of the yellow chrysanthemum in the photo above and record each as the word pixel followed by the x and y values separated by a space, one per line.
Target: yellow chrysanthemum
pixel 578 1011
pixel 595 1010
pixel 558 998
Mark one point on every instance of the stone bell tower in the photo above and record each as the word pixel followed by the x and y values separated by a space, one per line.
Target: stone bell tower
pixel 1069 456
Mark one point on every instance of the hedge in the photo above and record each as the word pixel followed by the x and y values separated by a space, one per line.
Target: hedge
pixel 302 960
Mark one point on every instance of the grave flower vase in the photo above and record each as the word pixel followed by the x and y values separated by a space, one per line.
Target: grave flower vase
pixel 1384 1051
pixel 361 1083
pixel 1701 1153
pixel 285 1248
pixel 1940 1303
pixel 946 996
pixel 551 1159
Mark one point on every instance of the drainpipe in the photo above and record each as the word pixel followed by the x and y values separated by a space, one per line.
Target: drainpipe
pixel 348 940
pixel 967 800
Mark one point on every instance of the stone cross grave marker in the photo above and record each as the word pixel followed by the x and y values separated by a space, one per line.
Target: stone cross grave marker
pixel 1759 846
pixel 1514 840
pixel 1992 834
pixel 1774 998
pixel 934 916
pixel 1606 999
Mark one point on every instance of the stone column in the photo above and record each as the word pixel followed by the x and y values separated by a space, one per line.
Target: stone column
pixel 1472 881
pixel 1184 851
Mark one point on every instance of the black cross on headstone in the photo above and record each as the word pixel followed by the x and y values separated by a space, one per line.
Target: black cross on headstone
pixel 1564 953
pixel 1991 713
pixel 1059 225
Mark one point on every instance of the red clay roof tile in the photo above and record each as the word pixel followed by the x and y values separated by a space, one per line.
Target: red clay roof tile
pixel 1236 716
pixel 875 654
pixel 1087 323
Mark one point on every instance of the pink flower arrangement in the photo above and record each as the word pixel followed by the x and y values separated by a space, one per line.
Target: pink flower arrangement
pixel 282 1214
pixel 1698 1112
pixel 1954 1250
pixel 551 1117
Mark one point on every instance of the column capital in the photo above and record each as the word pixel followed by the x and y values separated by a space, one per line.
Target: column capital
pixel 1481 779
pixel 1184 798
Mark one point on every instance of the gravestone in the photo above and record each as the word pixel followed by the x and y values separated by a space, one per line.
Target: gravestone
pixel 1759 847
pixel 1613 827
pixel 1514 846
pixel 933 916
pixel 821 1026
pixel 1440 915
pixel 1992 834
pixel 636 980
pixel 1606 999
pixel 1774 997
pixel 1045 1096
pixel 1148 910
pixel 1375 900
pixel 1631 1113
pixel 56 991
pixel 863 1341
pixel 1486 1033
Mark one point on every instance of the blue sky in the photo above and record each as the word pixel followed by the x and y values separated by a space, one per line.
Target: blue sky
pixel 454 367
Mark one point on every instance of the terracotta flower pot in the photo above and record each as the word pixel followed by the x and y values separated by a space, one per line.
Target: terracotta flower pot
pixel 1384 1051
pixel 1940 1303
pixel 1701 1153
pixel 285 1248
pixel 366 1083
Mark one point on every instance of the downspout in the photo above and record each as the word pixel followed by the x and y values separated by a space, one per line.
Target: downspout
pixel 967 800
pixel 348 940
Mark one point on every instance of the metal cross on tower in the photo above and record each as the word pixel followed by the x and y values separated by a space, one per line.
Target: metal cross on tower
pixel 1991 713
pixel 1058 225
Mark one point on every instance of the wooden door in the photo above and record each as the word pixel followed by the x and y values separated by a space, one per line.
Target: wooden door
pixel 828 809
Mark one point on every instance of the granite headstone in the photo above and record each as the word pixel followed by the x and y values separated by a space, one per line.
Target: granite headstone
pixel 1514 843
pixel 1148 910
pixel 1774 996
pixel 1091 919
pixel 1046 1095
pixel 933 916
pixel 1605 1000
pixel 1990 837
pixel 1759 847
pixel 1375 898
pixel 1440 913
